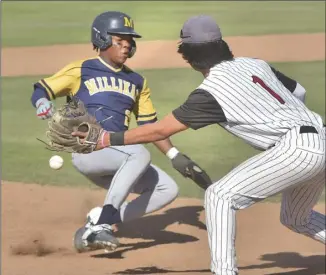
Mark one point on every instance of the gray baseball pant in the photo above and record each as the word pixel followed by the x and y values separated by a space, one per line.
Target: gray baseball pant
pixel 127 169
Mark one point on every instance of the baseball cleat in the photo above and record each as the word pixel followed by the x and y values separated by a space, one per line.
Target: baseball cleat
pixel 94 237
pixel 78 242
pixel 103 239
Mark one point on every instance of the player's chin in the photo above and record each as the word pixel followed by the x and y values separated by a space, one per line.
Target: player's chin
pixel 122 59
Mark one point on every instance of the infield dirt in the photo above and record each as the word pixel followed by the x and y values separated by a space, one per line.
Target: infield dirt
pixel 38 222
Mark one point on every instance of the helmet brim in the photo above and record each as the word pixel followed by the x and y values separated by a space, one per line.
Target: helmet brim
pixel 132 33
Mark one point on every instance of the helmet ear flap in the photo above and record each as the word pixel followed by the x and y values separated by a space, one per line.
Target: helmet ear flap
pixel 100 40
pixel 106 42
pixel 133 48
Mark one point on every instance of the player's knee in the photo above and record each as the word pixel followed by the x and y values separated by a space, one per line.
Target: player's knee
pixel 213 193
pixel 84 166
pixel 80 165
pixel 167 188
pixel 168 192
pixel 293 227
pixel 290 221
pixel 161 182
pixel 172 189
pixel 284 221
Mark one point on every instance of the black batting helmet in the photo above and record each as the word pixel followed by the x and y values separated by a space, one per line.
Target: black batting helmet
pixel 112 22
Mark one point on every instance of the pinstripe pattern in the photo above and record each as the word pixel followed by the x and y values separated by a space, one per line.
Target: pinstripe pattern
pixel 292 163
pixel 295 170
pixel 252 113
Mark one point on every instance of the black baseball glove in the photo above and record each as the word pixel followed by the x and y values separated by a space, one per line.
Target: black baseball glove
pixel 190 169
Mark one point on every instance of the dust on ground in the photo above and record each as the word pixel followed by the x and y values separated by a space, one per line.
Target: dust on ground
pixel 38 222
pixel 171 241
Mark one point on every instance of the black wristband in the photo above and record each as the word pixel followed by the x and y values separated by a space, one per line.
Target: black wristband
pixel 117 138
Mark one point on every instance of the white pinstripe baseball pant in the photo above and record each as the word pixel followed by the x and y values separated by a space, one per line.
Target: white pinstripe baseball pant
pixel 295 167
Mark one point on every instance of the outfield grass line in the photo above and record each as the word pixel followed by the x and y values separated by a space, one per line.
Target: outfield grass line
pixel 169 89
pixel 33 23
pixel 158 54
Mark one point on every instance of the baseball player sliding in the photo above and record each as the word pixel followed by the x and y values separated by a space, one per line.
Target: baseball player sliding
pixel 110 92
pixel 263 107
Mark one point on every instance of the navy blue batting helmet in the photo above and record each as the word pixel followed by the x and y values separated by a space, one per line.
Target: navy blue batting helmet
pixel 109 23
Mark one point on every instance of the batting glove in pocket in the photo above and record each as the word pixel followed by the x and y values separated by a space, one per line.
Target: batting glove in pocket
pixel 44 108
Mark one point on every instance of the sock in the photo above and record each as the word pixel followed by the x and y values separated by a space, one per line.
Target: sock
pixel 109 215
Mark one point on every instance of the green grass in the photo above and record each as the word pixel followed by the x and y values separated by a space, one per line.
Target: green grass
pixel 27 23
pixel 25 159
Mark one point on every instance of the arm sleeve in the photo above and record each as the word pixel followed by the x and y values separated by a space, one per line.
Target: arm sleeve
pixel 39 92
pixel 288 82
pixel 293 86
pixel 144 110
pixel 199 110
pixel 65 82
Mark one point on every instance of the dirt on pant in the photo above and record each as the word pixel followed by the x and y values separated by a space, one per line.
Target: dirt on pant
pixel 38 222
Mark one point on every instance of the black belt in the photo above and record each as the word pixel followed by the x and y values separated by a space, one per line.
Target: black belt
pixel 308 129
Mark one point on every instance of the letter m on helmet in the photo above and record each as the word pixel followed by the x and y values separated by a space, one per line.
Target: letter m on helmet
pixel 109 23
pixel 129 22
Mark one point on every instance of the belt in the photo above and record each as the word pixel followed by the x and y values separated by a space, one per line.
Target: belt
pixel 303 130
pixel 308 129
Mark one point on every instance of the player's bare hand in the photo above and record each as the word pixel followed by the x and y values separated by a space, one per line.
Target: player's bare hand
pixel 80 135
pixel 88 135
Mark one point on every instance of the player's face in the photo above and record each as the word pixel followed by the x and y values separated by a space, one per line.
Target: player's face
pixel 121 46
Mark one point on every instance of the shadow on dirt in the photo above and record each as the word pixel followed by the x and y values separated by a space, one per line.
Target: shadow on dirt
pixel 152 229
pixel 309 265
pixel 156 270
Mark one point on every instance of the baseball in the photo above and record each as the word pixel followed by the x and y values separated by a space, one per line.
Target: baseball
pixel 56 162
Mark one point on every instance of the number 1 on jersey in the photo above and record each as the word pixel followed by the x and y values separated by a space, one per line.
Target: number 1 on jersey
pixel 256 79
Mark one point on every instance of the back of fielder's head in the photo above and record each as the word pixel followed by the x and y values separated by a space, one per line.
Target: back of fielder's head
pixel 201 43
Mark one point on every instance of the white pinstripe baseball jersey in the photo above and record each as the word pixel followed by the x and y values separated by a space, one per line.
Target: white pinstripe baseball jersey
pixel 257 106
pixel 265 108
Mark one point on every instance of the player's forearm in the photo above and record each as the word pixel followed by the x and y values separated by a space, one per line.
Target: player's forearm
pixel 163 145
pixel 145 134
pixel 38 94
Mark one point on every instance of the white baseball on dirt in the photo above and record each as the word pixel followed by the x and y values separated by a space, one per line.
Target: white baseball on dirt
pixel 56 162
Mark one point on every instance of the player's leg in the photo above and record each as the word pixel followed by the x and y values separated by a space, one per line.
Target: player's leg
pixel 156 188
pixel 264 175
pixel 121 167
pixel 297 203
pixel 220 209
pixel 297 209
pixel 116 168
